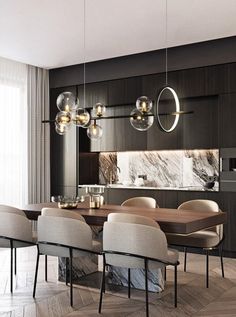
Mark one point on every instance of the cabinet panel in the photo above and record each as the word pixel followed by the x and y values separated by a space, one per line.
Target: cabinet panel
pixel 200 129
pixel 165 199
pixel 132 90
pixel 227 119
pixel 116 92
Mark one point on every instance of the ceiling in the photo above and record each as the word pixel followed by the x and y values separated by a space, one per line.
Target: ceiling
pixel 49 33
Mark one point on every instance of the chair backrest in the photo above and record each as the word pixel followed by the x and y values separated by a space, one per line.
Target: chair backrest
pixel 58 212
pixel 130 218
pixel 66 231
pixel 146 202
pixel 133 238
pixel 10 209
pixel 14 226
pixel 204 205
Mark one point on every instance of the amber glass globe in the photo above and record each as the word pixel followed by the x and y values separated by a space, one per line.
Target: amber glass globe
pixel 63 117
pixel 144 104
pixel 81 117
pixel 141 121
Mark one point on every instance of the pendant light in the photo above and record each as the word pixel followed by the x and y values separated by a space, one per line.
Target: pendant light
pixel 81 117
pixel 141 121
pixel 94 131
pixel 167 87
pixel 66 102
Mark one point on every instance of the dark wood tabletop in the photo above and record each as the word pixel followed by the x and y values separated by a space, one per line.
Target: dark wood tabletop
pixel 170 220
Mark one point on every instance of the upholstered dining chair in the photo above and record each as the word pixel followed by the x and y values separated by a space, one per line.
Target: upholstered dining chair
pixel 63 233
pixel 58 212
pixel 131 218
pixel 133 245
pixel 206 240
pixel 15 232
pixel 146 202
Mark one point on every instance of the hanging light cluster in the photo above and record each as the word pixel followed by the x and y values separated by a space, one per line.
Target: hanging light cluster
pixel 70 113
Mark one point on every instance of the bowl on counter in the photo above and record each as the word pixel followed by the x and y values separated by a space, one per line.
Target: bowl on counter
pixel 65 202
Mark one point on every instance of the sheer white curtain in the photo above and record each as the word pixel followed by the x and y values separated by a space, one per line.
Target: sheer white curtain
pixel 24 140
pixel 38 135
pixel 13 135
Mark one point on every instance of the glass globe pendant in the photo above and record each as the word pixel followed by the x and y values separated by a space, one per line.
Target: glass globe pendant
pixel 99 110
pixel 94 131
pixel 141 121
pixel 63 117
pixel 61 128
pixel 81 117
pixel 66 102
pixel 144 104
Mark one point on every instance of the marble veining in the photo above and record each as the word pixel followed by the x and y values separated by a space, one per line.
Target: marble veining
pixel 175 169
pixel 119 276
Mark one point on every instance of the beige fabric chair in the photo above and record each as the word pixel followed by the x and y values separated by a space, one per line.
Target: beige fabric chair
pixel 63 233
pixel 58 212
pixel 129 218
pixel 204 239
pixel 146 202
pixel 133 245
pixel 15 232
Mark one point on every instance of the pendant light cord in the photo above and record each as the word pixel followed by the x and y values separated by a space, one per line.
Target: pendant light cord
pixel 166 51
pixel 84 52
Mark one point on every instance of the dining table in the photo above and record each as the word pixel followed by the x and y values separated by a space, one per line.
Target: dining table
pixel 170 220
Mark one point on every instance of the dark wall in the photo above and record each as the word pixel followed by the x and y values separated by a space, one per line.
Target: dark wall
pixel 182 57
pixel 204 75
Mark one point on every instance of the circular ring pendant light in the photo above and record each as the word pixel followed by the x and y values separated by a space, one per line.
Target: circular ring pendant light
pixel 177 109
pixel 167 87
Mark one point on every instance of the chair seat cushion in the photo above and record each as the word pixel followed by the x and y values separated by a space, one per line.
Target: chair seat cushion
pixel 199 239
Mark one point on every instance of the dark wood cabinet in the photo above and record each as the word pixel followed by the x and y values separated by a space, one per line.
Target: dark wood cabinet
pixel 200 129
pixel 227 120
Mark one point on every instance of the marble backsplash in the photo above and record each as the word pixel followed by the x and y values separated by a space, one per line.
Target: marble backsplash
pixel 177 168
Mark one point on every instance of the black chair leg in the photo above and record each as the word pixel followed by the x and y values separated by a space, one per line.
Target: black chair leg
pixel 71 281
pixel 129 283
pixel 36 274
pixel 11 269
pixel 221 260
pixel 15 260
pixel 185 259
pixel 102 289
pixel 165 273
pixel 46 268
pixel 207 268
pixel 146 287
pixel 66 271
pixel 175 285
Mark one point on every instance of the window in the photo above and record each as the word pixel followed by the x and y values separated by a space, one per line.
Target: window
pixel 13 133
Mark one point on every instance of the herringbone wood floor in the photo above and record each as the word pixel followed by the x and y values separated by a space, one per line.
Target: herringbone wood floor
pixel 52 298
